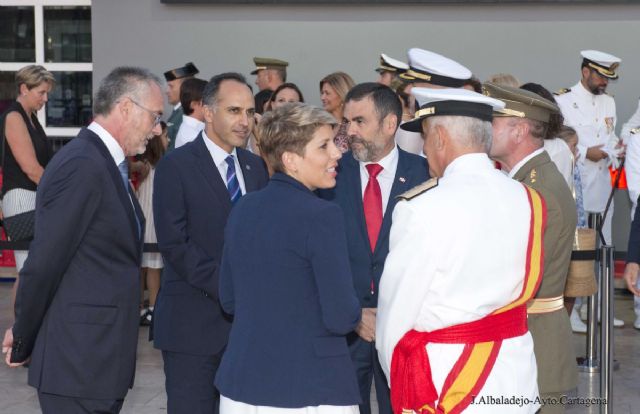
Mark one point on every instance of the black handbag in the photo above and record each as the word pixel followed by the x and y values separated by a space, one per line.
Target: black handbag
pixel 21 226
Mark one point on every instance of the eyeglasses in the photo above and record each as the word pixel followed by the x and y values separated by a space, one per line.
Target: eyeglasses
pixel 156 116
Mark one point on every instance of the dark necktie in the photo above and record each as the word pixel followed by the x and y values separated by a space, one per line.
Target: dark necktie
pixel 233 185
pixel 372 203
pixel 124 174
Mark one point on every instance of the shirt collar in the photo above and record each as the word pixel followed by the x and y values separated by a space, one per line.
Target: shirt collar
pixel 112 145
pixel 176 106
pixel 472 162
pixel 523 161
pixel 387 162
pixel 583 91
pixel 192 122
pixel 218 154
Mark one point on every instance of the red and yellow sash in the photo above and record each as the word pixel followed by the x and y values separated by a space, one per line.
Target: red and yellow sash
pixel 412 387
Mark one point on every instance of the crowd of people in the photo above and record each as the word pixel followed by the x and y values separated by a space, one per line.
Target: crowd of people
pixel 413 234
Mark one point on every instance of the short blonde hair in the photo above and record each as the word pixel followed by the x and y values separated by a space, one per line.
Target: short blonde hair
pixel 504 79
pixel 289 127
pixel 340 82
pixel 34 75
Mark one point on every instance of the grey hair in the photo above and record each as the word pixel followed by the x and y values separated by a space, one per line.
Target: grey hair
pixel 120 82
pixel 467 131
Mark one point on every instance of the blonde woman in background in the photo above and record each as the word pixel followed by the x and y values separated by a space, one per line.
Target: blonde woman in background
pixel 333 89
pixel 25 147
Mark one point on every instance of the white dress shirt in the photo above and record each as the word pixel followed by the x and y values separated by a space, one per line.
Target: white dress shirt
pixel 188 131
pixel 385 178
pixel 219 157
pixel 112 145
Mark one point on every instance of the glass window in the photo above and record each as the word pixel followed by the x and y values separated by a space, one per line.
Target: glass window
pixel 17 34
pixel 8 91
pixel 70 100
pixel 67 34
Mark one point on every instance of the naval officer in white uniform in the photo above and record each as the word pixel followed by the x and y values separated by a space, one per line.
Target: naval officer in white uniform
pixel 592 113
pixel 458 253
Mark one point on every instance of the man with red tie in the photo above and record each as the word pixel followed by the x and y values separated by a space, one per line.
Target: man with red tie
pixel 369 179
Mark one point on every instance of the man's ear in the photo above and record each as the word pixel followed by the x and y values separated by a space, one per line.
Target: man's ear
pixel 441 137
pixel 585 72
pixel 390 123
pixel 521 130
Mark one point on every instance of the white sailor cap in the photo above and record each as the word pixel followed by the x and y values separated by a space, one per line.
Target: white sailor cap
pixel 459 102
pixel 389 64
pixel 603 63
pixel 426 66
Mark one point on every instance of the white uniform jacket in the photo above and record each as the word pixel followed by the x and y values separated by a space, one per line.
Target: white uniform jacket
pixel 632 164
pixel 594 119
pixel 458 253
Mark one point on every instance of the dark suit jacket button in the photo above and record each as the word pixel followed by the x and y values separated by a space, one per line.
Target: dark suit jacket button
pixel 205 294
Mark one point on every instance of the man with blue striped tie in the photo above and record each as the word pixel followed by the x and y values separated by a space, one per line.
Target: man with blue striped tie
pixel 195 188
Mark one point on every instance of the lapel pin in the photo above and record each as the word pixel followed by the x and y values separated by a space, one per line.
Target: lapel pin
pixel 402 179
pixel 247 167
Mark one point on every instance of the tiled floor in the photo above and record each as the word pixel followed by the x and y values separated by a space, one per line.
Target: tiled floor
pixel 148 396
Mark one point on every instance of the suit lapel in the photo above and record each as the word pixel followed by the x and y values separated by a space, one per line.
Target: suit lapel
pixel 248 173
pixel 210 171
pixel 353 189
pixel 114 173
pixel 399 186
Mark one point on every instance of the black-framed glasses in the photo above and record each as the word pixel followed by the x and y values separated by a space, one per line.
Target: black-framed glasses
pixel 156 116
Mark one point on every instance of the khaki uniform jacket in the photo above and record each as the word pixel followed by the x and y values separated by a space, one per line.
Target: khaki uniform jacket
pixel 552 335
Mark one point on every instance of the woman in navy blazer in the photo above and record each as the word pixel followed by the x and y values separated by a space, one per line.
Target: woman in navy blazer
pixel 285 277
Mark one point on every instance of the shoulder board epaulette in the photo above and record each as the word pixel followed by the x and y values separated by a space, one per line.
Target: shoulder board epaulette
pixel 635 130
pixel 419 189
pixel 562 91
pixel 610 94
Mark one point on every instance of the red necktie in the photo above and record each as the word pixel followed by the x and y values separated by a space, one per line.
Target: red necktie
pixel 372 203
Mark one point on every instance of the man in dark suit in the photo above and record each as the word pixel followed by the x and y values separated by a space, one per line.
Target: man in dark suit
pixel 77 302
pixel 633 260
pixel 195 188
pixel 369 179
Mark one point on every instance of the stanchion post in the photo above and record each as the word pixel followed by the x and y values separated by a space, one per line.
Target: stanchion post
pixel 606 327
pixel 589 363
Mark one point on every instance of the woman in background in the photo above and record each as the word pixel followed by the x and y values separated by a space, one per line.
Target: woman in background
pixel 25 147
pixel 285 93
pixel 151 262
pixel 333 89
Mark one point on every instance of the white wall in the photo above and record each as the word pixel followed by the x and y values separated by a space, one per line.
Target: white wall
pixel 537 43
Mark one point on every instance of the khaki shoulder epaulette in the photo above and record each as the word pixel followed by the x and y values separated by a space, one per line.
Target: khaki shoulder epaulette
pixel 562 91
pixel 419 189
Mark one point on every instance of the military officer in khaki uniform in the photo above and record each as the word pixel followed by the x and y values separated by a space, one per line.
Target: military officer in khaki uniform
pixel 174 78
pixel 270 73
pixel 518 133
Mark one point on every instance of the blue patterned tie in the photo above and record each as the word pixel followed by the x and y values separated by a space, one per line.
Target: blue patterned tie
pixel 124 174
pixel 233 185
